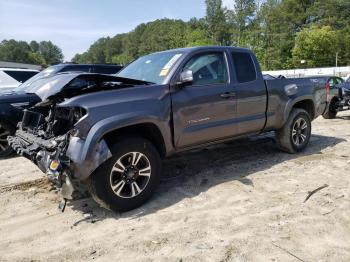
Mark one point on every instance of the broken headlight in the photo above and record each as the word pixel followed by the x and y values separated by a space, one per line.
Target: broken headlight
pixel 66 119
pixel 78 113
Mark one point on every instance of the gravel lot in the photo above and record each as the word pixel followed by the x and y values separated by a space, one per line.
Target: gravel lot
pixel 241 201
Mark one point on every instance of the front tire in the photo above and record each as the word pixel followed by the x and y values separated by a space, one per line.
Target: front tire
pixel 294 136
pixel 129 178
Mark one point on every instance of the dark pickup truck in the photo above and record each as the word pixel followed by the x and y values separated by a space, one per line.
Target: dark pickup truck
pixel 109 133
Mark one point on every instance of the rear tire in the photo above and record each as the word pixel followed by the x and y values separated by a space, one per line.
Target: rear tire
pixel 294 136
pixel 332 111
pixel 129 178
pixel 5 149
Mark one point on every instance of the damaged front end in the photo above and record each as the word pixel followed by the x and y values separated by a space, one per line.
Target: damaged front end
pixel 44 137
pixel 53 133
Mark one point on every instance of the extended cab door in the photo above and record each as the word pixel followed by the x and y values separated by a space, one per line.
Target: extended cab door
pixel 250 91
pixel 204 110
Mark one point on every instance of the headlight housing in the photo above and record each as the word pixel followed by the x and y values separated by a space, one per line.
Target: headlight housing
pixel 68 119
pixel 78 113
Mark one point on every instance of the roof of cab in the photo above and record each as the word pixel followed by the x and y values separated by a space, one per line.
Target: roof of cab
pixel 199 48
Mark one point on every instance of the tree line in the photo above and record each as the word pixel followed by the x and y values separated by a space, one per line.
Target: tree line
pixel 283 33
pixel 42 53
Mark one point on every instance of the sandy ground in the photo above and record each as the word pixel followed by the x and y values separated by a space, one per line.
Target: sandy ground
pixel 241 201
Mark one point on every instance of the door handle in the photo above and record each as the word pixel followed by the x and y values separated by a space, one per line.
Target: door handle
pixel 227 95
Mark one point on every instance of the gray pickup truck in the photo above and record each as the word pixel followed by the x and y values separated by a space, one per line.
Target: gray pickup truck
pixel 109 133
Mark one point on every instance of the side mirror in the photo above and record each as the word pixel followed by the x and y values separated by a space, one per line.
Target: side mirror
pixel 186 77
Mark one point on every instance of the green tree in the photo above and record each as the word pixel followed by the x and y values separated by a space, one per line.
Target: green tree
pixel 15 51
pixel 161 35
pixel 132 41
pixel 242 19
pixel 37 58
pixel 51 53
pixel 197 34
pixel 317 46
pixel 334 13
pixel 44 53
pixel 34 46
pixel 268 27
pixel 216 22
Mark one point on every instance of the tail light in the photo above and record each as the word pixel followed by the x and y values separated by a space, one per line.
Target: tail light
pixel 328 89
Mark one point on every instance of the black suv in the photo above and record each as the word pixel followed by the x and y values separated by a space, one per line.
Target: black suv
pixel 14 101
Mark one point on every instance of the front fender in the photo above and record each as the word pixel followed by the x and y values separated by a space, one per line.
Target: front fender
pixel 124 120
pixel 87 154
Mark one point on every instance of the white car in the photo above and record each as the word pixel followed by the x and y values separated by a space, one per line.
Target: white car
pixel 13 77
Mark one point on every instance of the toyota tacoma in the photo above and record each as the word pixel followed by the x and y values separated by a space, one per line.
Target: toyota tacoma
pixel 108 134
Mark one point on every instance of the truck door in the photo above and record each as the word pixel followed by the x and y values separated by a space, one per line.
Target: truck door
pixel 204 110
pixel 250 91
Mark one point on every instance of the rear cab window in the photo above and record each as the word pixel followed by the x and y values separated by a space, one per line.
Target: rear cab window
pixel 244 67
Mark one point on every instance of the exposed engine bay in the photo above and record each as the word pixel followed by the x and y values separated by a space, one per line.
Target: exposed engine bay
pixel 43 137
pixel 47 129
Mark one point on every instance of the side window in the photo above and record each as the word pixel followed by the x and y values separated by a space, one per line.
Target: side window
pixel 339 80
pixel 331 81
pixel 208 68
pixel 76 68
pixel 244 67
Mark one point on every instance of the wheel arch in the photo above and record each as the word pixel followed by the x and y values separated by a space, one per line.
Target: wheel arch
pixel 304 102
pixel 149 131
pixel 308 105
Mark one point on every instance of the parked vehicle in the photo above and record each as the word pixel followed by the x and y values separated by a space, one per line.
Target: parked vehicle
pixel 109 133
pixel 13 102
pixel 13 77
pixel 71 67
pixel 334 85
pixel 343 97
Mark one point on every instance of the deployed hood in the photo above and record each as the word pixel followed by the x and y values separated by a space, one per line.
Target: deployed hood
pixel 76 83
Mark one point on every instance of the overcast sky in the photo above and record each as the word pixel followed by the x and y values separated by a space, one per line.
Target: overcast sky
pixel 75 24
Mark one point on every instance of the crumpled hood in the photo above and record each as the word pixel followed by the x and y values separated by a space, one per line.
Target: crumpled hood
pixel 48 87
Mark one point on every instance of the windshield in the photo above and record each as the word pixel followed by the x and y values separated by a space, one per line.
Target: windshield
pixel 151 68
pixel 27 86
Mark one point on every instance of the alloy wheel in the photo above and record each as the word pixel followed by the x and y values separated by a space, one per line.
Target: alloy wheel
pixel 130 175
pixel 299 131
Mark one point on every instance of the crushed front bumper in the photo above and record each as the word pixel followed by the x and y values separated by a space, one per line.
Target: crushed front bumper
pixel 35 149
pixel 75 158
pixel 61 176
